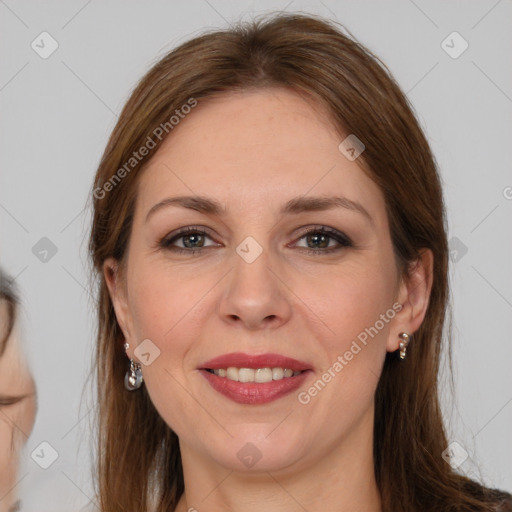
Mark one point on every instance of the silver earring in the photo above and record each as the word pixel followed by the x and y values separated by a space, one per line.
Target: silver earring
pixel 403 344
pixel 133 378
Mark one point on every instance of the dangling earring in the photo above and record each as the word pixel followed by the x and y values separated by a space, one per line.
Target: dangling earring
pixel 403 344
pixel 133 378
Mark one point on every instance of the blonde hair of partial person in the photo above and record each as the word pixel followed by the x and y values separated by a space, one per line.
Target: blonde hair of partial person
pixel 138 454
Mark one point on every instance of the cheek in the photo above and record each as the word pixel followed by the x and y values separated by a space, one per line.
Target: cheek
pixel 356 297
pixel 163 307
pixel 159 299
pixel 358 311
pixel 6 430
pixel 168 308
pixel 12 439
pixel 362 305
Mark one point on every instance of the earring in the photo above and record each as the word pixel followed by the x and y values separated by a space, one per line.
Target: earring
pixel 133 378
pixel 403 344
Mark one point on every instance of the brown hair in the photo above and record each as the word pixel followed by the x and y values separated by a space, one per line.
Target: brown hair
pixel 311 56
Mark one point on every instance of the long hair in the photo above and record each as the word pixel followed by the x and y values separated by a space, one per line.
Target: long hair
pixel 311 56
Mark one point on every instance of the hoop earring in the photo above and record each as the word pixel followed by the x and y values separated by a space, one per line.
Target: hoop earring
pixel 133 379
pixel 403 344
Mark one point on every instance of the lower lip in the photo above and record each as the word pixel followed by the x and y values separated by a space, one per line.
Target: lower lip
pixel 252 392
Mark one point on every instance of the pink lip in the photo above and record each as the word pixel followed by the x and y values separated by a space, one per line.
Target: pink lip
pixel 253 392
pixel 241 360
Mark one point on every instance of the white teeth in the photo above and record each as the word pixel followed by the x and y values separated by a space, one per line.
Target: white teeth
pixel 260 375
pixel 277 373
pixel 246 375
pixel 263 375
pixel 232 373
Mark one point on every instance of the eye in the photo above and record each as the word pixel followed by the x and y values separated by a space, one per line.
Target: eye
pixel 319 238
pixel 192 239
pixel 10 400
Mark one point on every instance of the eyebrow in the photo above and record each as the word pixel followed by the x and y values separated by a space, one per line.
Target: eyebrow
pixel 297 205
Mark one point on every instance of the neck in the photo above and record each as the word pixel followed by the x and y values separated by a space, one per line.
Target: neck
pixel 341 479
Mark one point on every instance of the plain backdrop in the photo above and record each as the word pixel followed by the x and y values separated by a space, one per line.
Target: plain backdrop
pixel 57 113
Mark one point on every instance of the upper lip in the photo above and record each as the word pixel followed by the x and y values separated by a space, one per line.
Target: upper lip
pixel 242 360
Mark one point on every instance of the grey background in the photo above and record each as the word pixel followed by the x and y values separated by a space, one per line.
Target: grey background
pixel 57 113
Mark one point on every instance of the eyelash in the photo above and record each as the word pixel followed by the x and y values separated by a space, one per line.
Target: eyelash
pixel 341 238
pixel 6 401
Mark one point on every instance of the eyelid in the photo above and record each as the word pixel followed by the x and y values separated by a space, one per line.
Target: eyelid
pixel 320 228
pixel 339 237
pixel 165 242
pixel 5 401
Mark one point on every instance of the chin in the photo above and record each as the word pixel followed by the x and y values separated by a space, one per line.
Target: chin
pixel 255 450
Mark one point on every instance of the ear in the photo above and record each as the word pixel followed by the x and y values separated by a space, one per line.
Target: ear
pixel 414 295
pixel 117 290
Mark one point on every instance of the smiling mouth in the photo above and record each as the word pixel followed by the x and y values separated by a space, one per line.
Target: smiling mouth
pixel 255 379
pixel 257 375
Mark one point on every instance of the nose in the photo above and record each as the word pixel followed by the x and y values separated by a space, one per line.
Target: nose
pixel 255 296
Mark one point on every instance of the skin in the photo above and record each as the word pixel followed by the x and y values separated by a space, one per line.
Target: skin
pixel 17 412
pixel 254 151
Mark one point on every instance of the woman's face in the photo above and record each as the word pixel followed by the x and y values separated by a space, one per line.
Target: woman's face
pixel 255 288
pixel 17 409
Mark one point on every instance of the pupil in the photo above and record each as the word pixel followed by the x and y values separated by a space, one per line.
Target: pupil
pixel 188 237
pixel 320 237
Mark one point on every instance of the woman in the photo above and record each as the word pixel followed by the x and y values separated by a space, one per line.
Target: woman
pixel 269 236
pixel 17 396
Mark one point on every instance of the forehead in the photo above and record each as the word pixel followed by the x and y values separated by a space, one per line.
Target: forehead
pixel 255 148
